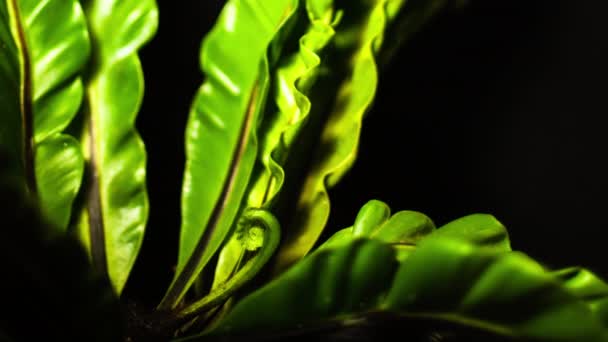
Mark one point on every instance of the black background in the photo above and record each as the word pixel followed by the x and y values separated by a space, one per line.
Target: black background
pixel 498 107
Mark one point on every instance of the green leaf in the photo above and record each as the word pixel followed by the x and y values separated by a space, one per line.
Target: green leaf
pixel 58 174
pixel 294 75
pixel 481 229
pixel 588 287
pixel 221 144
pixel 44 47
pixel 361 24
pixel 405 229
pixel 116 210
pixel 361 30
pixel 445 279
pixel 309 30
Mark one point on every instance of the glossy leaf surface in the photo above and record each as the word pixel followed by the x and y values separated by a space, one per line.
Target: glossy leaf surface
pixel 444 279
pixel 221 144
pixel 117 202
pixel 59 169
pixel 44 46
pixel 294 74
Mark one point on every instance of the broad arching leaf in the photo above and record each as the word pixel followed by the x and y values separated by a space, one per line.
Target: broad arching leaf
pixel 286 114
pixel 116 210
pixel 221 143
pixel 43 48
pixel 406 229
pixel 445 279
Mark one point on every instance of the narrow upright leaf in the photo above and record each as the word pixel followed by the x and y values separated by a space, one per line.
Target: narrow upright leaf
pixel 361 24
pixel 221 144
pixel 286 114
pixel 359 37
pixel 44 46
pixel 116 211
pixel 294 75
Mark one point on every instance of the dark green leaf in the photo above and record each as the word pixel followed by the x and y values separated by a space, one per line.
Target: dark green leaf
pixel 445 279
pixel 50 292
pixel 10 113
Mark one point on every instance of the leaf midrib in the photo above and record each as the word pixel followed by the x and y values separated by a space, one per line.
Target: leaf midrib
pixel 25 100
pixel 179 286
pixel 94 208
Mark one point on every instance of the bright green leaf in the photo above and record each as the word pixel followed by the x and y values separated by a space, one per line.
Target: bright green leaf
pixel 373 214
pixel 359 26
pixel 221 142
pixel 405 229
pixel 294 75
pixel 44 46
pixel 316 289
pixel 117 202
